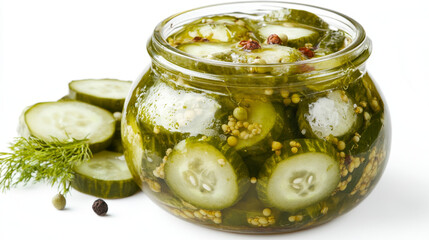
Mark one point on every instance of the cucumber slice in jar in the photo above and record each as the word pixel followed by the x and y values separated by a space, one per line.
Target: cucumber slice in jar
pixel 268 121
pixel 296 16
pixel 331 42
pixel 106 175
pixel 331 115
pixel 306 172
pixel 207 173
pixel 216 29
pixel 267 54
pixel 291 129
pixel 70 119
pixel 296 36
pixel 191 114
pixel 205 49
pixel 109 94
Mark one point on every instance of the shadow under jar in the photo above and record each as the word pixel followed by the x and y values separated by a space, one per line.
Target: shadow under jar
pixel 257 147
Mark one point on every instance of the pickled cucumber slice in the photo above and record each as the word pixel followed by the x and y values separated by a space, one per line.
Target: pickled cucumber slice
pixel 297 36
pixel 106 175
pixel 206 173
pixel 296 16
pixel 69 119
pixel 267 54
pixel 191 114
pixel 330 115
pixel 270 119
pixel 216 29
pixel 368 137
pixel 153 153
pixel 205 49
pixel 302 175
pixel 109 94
pixel 331 42
pixel 364 152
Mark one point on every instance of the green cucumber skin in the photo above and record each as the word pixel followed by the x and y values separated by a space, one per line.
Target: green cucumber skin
pixel 98 147
pixel 307 145
pixel 370 138
pixel 234 159
pixel 255 162
pixel 116 144
pixel 297 43
pixel 154 150
pixel 297 16
pixel 113 105
pixel 291 128
pixel 106 189
pixel 331 42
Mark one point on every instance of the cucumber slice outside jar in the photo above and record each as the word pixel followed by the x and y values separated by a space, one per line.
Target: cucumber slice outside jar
pixel 109 94
pixel 106 175
pixel 69 119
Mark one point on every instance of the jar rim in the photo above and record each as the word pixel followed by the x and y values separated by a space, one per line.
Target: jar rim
pixel 161 51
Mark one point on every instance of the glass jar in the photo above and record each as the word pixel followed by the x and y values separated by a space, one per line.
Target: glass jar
pixel 253 148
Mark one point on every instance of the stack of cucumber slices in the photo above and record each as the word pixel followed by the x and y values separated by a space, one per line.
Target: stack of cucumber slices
pixel 90 111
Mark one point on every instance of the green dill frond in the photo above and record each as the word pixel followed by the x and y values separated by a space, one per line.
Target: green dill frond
pixel 33 160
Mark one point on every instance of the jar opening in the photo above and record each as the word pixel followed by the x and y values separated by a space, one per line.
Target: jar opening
pixel 315 70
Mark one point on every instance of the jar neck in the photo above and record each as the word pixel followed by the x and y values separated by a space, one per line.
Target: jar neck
pixel 334 69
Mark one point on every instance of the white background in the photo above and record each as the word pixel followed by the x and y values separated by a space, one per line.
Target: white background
pixel 47 43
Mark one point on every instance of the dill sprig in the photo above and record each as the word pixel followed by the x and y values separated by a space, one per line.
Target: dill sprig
pixel 35 160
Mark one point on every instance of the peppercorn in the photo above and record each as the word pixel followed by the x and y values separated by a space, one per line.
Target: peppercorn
pixel 100 207
pixel 59 201
pixel 307 51
pixel 200 39
pixel 250 45
pixel 274 39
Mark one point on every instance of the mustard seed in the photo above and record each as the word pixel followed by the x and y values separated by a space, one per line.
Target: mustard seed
pixel 240 113
pixel 232 141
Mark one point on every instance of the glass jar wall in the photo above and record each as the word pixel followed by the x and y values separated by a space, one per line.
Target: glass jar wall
pixel 274 147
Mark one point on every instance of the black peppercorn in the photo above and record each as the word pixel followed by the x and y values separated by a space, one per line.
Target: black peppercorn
pixel 100 207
